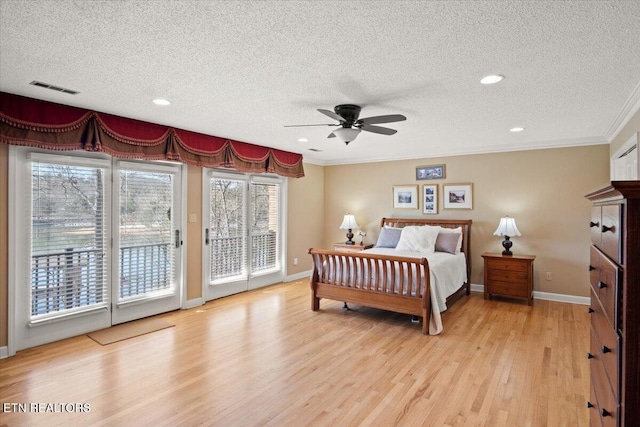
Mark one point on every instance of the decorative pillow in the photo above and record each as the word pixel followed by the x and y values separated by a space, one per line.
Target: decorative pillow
pixel 418 238
pixel 447 242
pixel 388 237
pixel 453 232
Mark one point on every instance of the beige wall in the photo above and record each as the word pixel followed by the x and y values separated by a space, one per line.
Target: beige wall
pixel 305 217
pixel 542 189
pixel 193 251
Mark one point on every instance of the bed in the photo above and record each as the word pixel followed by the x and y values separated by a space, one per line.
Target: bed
pixel 412 269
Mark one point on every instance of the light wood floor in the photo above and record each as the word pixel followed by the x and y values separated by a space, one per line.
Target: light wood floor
pixel 264 358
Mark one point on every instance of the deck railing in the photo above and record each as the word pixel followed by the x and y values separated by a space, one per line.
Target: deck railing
pixel 65 280
pixel 145 268
pixel 228 254
pixel 75 278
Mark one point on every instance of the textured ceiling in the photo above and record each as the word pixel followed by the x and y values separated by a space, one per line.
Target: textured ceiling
pixel 243 70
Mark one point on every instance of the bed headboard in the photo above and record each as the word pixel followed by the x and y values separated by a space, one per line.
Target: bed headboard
pixel 445 223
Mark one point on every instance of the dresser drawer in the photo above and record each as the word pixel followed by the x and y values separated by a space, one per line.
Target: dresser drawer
pixel 607 288
pixel 509 276
pixel 595 224
pixel 508 265
pixel 605 344
pixel 610 229
pixel 607 404
pixel 519 290
pixel 605 230
pixel 594 267
pixel 594 409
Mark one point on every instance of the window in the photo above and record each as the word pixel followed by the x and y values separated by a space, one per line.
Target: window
pixel 146 224
pixel 68 237
pixel 227 228
pixel 265 226
pixel 244 222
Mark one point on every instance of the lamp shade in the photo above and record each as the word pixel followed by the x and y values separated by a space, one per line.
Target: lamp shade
pixel 346 135
pixel 507 227
pixel 349 222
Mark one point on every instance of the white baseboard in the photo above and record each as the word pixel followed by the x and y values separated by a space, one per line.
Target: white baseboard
pixel 193 303
pixel 548 296
pixel 298 276
pixel 571 299
pixel 4 352
pixel 477 288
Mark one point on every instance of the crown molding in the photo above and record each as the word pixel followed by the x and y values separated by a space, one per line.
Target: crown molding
pixel 630 107
pixel 535 145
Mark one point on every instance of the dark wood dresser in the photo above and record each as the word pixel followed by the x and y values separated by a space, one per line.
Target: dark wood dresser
pixel 615 305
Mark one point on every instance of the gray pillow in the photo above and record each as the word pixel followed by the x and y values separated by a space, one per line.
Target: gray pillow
pixel 389 237
pixel 447 242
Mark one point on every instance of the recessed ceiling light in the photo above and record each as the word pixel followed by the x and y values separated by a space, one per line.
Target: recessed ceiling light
pixel 303 140
pixel 517 129
pixel 491 79
pixel 160 101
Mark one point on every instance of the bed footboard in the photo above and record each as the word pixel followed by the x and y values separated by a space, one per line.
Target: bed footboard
pixel 389 283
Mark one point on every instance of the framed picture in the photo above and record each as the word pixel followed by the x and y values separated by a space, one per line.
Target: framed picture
pixel 405 197
pixel 430 172
pixel 430 199
pixel 458 196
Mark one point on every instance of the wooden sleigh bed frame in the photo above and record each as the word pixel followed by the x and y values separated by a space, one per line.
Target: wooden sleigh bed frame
pixel 381 281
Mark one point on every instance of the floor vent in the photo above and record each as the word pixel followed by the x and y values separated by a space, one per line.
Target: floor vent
pixel 56 88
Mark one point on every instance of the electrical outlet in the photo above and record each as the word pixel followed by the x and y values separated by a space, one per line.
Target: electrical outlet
pixel 295 261
pixel 548 275
pixel 193 217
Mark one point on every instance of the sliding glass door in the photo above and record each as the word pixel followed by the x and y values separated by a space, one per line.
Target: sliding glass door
pixel 147 244
pixel 95 242
pixel 62 246
pixel 243 232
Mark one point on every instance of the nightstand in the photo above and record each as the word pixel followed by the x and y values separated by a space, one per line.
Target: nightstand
pixel 508 275
pixel 343 247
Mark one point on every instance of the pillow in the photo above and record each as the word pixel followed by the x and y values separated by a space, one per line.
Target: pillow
pixel 454 232
pixel 447 242
pixel 418 238
pixel 388 237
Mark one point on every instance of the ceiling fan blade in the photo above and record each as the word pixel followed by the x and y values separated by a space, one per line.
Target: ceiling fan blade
pixel 324 124
pixel 382 119
pixel 378 129
pixel 331 114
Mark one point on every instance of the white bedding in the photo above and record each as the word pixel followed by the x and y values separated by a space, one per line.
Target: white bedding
pixel 447 273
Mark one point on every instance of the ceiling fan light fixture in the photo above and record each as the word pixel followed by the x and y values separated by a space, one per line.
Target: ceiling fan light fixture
pixel 346 135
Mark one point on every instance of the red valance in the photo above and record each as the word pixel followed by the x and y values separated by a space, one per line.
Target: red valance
pixel 34 123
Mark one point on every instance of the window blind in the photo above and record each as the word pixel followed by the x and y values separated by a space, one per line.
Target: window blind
pixel 227 228
pixel 146 249
pixel 68 237
pixel 265 227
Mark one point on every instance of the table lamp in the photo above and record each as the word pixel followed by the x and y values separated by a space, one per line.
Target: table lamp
pixel 349 223
pixel 507 228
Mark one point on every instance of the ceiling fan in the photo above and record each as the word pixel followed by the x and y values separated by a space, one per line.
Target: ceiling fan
pixel 350 125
